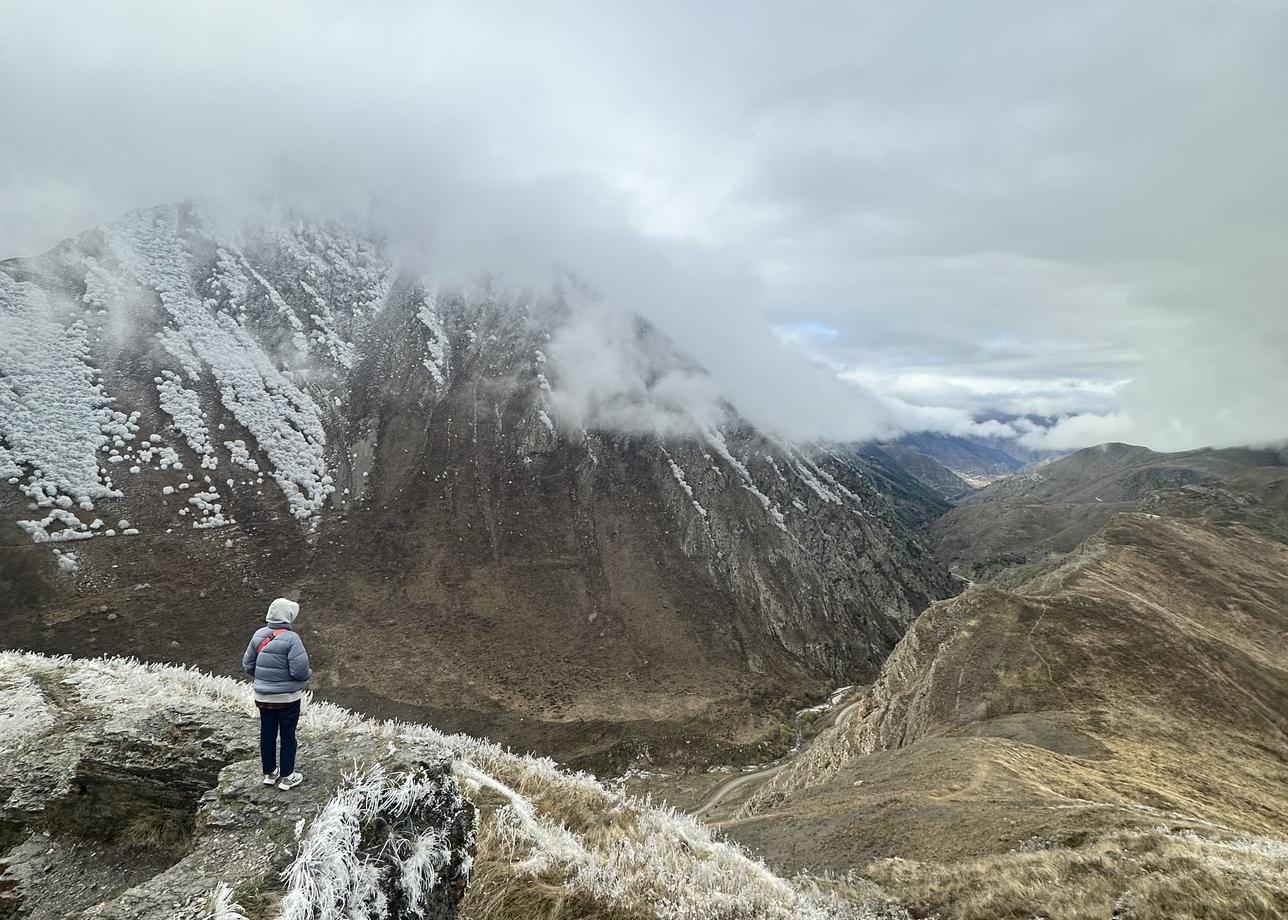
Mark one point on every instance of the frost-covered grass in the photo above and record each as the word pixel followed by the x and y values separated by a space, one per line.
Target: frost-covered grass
pixel 550 843
pixel 335 876
pixel 222 906
pixel 25 713
pixel 554 844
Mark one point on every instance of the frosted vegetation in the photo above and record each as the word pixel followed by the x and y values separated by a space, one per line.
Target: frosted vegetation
pixel 54 414
pixel 550 843
pixel 230 347
pixel 331 879
pixel 283 419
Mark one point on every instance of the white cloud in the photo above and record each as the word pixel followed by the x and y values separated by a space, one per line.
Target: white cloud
pixel 962 209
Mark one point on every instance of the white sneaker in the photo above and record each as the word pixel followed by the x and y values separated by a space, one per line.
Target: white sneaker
pixel 290 782
pixel 271 779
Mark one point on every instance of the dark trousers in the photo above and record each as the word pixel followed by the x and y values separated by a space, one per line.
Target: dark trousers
pixel 273 722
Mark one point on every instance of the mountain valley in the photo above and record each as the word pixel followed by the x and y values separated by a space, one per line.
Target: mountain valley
pixel 197 420
pixel 922 677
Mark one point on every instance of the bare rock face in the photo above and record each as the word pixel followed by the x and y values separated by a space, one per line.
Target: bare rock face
pixel 199 419
pixel 122 808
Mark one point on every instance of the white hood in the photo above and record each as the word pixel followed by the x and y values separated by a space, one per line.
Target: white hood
pixel 282 610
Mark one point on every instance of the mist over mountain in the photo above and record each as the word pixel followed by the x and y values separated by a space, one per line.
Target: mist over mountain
pixel 911 221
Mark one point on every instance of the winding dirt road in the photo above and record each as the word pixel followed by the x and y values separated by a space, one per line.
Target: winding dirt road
pixel 723 790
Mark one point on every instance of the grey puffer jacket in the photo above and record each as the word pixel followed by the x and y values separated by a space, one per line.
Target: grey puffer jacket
pixel 283 665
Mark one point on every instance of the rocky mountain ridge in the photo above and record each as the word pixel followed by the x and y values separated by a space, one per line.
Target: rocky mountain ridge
pixel 1103 735
pixel 129 791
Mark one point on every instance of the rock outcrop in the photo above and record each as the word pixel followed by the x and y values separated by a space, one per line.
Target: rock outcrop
pixel 113 806
pixel 129 790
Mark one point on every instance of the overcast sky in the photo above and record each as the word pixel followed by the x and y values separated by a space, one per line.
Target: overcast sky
pixel 860 216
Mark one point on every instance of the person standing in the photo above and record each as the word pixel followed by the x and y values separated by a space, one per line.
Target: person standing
pixel 277 661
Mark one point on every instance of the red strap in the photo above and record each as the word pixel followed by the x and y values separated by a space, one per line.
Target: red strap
pixel 277 632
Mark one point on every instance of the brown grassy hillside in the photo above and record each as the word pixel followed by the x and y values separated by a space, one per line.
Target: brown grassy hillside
pixel 1112 733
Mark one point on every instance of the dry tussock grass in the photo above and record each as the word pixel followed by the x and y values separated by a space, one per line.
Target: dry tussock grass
pixel 1142 875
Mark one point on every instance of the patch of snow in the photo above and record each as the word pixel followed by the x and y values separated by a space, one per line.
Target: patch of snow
pixel 325 334
pixel 166 457
pixel 285 421
pixel 103 289
pixel 716 439
pixel 333 268
pixel 436 341
pixel 684 483
pixel 210 508
pixel 73 527
pixel 54 415
pixel 241 455
pixel 184 408
pixel 802 470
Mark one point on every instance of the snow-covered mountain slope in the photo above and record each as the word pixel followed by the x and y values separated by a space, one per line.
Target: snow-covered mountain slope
pixel 195 419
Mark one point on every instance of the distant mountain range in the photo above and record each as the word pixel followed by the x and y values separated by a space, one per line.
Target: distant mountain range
pixel 954 466
pixel 1052 508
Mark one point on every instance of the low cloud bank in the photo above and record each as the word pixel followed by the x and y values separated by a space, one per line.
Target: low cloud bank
pixel 952 221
